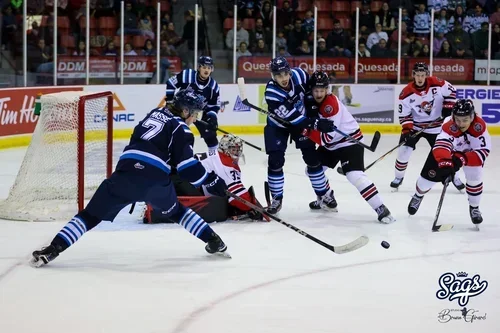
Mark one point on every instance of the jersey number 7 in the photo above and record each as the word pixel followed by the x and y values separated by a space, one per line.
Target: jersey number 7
pixel 154 128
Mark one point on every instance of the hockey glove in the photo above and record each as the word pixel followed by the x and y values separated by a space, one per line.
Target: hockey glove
pixel 459 158
pixel 409 140
pixel 322 125
pixel 255 215
pixel 215 185
pixel 211 119
pixel 449 167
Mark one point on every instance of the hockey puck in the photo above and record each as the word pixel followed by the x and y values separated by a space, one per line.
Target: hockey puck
pixel 385 245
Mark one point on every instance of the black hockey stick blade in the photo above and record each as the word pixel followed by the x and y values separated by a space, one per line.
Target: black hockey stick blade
pixel 267 193
pixel 340 171
pixel 375 141
pixel 338 249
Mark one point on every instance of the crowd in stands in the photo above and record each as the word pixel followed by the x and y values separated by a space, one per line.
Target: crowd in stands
pixel 460 27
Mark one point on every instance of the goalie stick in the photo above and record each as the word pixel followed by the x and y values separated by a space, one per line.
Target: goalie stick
pixel 338 249
pixel 443 227
pixel 241 86
pixel 225 132
pixel 414 135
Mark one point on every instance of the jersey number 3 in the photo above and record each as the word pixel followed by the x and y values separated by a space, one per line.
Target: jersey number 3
pixel 154 128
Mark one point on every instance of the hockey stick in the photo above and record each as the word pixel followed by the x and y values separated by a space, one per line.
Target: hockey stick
pixel 267 193
pixel 414 135
pixel 341 249
pixel 225 132
pixel 241 86
pixel 252 195
pixel 443 227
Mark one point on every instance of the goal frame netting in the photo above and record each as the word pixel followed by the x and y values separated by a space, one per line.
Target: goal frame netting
pixel 60 134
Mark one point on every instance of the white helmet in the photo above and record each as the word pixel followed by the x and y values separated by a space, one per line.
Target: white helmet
pixel 231 146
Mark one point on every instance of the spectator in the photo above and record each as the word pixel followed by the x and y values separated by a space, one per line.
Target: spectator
pixel 406 5
pixel 424 52
pixel 285 16
pixel 437 5
pixel 167 50
pixel 445 51
pixel 148 49
pixel 422 22
pixel 380 50
pixel 495 42
pixel 266 14
pixel 385 18
pixel 165 20
pixel 376 36
pixel 250 11
pixel 9 26
pixel 41 58
pixel 146 27
pixel 472 22
pixel 243 50
pixel 480 39
pixel 81 49
pixel 338 41
pixel 128 50
pixel 459 37
pixel 188 36
pixel 454 4
pixel 407 19
pixel 110 50
pixel 130 21
pixel 461 52
pixel 438 41
pixel 281 40
pixel 322 50
pixel 442 22
pixel 308 22
pixel 241 35
pixel 394 40
pixel 259 33
pixel 296 36
pixel 366 18
pixel 304 49
pixel 495 17
pixel 261 49
pixel 171 36
pixel 458 16
pixel 282 52
pixel 363 51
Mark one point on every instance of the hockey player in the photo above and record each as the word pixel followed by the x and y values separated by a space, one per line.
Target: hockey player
pixel 162 140
pixel 335 147
pixel 421 104
pixel 224 163
pixel 464 141
pixel 203 84
pixel 285 99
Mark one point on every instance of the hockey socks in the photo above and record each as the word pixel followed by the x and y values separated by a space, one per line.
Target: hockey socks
pixel 474 190
pixel 365 187
pixel 276 180
pixel 193 223
pixel 318 180
pixel 404 154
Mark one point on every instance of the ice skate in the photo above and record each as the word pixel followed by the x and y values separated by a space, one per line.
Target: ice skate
pixel 43 256
pixel 384 215
pixel 414 204
pixel 475 215
pixel 458 184
pixel 327 202
pixel 216 246
pixel 275 205
pixel 396 183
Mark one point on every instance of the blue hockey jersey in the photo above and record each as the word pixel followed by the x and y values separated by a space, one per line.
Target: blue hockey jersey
pixel 165 141
pixel 188 78
pixel 287 105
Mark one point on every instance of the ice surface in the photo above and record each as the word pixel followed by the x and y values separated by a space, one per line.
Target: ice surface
pixel 126 277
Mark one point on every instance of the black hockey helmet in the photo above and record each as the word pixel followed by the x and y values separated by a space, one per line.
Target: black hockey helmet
pixel 463 107
pixel 420 67
pixel 278 65
pixel 188 99
pixel 206 61
pixel 319 79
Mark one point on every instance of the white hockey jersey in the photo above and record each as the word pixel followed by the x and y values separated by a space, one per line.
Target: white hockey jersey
pixel 421 107
pixel 475 143
pixel 230 172
pixel 331 108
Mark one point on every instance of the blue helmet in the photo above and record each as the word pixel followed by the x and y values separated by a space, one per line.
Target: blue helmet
pixel 279 64
pixel 188 99
pixel 205 61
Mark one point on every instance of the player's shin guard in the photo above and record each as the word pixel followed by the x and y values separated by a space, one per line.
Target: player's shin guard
pixel 276 180
pixel 365 187
pixel 318 180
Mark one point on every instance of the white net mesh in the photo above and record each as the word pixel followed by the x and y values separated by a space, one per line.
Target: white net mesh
pixel 46 187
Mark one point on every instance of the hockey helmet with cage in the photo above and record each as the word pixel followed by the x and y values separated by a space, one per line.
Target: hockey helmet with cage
pixel 206 61
pixel 188 100
pixel 278 65
pixel 420 67
pixel 231 145
pixel 319 80
pixel 463 107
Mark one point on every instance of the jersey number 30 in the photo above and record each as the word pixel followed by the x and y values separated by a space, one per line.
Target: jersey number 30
pixel 154 128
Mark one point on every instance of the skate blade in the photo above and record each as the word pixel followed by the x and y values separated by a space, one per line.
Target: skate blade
pixel 224 254
pixel 388 220
pixel 394 189
pixel 36 263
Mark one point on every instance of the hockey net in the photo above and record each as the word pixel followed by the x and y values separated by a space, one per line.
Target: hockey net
pixel 70 154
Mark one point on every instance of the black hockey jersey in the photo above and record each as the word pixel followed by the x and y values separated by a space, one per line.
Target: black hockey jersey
pixel 165 141
pixel 188 78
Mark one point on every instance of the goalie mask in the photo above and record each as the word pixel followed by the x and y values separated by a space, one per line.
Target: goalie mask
pixel 231 146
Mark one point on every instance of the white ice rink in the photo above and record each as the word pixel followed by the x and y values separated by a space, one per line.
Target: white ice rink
pixel 127 277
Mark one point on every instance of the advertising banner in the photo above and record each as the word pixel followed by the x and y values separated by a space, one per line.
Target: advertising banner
pixel 486 101
pixel 108 66
pixel 16 109
pixel 451 70
pixel 481 70
pixel 376 68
